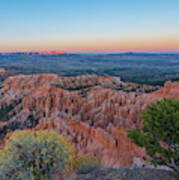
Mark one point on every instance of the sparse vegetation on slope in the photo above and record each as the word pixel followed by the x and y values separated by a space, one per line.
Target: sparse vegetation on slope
pixel 160 135
pixel 35 155
pixel 87 164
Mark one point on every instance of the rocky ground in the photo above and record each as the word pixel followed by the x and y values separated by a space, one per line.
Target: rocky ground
pixel 93 112
pixel 128 174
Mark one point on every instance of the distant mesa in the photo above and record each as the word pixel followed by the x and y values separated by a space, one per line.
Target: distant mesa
pixel 36 53
pixel 52 52
pixel 47 52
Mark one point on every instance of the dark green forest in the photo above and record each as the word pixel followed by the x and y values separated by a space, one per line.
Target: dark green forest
pixel 153 69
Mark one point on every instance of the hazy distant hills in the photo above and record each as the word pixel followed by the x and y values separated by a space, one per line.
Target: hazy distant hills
pixel 60 52
pixel 148 68
pixel 35 53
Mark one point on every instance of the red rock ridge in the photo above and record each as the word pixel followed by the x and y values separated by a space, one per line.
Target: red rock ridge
pixel 52 52
pixel 95 118
pixel 171 89
pixel 46 53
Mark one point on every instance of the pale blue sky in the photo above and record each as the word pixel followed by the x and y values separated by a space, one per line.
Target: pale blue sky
pixel 66 24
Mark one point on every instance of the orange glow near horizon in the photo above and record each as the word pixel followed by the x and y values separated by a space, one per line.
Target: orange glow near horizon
pixel 151 44
pixel 88 26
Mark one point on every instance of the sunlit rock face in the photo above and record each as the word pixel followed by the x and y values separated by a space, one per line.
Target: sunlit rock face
pixel 46 53
pixel 93 112
pixel 51 52
pixel 171 89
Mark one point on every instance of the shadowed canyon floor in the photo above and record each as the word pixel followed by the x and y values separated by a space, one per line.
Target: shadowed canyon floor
pixel 93 112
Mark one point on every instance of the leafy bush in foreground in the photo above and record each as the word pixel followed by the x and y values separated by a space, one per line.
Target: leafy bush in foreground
pixel 34 155
pixel 86 164
pixel 160 135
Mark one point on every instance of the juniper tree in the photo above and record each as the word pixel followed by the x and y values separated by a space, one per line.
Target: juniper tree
pixel 160 133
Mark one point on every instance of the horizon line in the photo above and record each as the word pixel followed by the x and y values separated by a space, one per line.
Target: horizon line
pixel 123 52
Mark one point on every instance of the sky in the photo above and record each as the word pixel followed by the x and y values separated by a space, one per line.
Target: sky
pixel 89 25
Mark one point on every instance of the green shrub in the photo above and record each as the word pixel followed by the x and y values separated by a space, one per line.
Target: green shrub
pixel 35 155
pixel 160 135
pixel 86 164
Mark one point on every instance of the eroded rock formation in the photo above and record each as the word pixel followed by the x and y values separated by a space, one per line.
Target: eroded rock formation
pixel 94 112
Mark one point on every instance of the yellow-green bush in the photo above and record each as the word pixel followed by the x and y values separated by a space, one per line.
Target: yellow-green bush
pixel 86 164
pixel 35 155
